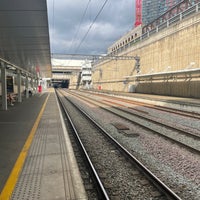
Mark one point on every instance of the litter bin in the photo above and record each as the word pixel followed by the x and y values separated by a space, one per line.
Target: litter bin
pixel 39 88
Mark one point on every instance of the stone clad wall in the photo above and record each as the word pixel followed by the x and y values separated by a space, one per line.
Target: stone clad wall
pixel 172 49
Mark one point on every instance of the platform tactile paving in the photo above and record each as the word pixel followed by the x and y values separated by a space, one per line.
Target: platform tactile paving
pixel 46 174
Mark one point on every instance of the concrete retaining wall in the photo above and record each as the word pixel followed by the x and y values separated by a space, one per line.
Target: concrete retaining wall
pixel 172 49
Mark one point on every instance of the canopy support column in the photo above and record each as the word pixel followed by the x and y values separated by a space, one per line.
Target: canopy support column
pixel 4 86
pixel 27 93
pixel 19 86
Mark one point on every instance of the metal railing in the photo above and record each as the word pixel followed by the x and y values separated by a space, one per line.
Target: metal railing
pixel 162 25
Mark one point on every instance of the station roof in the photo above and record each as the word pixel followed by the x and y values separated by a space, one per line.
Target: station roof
pixel 24 35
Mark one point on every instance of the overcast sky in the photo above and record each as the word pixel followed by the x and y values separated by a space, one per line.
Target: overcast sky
pixel 68 28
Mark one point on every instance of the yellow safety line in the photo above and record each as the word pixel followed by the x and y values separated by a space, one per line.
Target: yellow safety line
pixel 13 177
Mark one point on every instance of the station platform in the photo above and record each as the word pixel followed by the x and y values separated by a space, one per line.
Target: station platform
pixel 36 157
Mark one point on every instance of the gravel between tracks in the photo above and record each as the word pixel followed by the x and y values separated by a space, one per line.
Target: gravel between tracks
pixel 175 166
pixel 121 179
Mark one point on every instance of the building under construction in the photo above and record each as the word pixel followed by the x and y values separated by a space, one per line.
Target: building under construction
pixel 152 9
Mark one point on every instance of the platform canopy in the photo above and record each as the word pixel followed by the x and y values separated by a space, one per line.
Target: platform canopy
pixel 24 35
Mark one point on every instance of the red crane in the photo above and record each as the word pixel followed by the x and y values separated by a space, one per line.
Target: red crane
pixel 138 11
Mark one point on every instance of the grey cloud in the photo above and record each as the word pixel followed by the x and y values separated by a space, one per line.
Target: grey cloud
pixel 115 20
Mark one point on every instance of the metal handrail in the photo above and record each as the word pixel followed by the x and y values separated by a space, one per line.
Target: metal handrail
pixel 191 10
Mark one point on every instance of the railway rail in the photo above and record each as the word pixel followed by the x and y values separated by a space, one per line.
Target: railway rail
pixel 109 161
pixel 155 107
pixel 172 132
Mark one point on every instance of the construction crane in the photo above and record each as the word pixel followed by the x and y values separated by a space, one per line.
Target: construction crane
pixel 138 11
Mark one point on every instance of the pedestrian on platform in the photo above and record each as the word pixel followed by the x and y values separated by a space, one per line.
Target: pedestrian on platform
pixel 10 99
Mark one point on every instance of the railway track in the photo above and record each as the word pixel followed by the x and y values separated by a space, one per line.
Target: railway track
pixel 118 174
pixel 172 132
pixel 155 107
pixel 150 107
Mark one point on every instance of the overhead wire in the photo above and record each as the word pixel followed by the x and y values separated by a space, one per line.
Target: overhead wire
pixel 81 21
pixel 84 37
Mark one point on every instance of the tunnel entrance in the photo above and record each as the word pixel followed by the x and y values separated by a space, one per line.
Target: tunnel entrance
pixel 60 83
